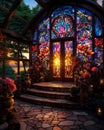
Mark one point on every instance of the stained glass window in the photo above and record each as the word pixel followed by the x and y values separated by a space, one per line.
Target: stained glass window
pixel 84 33
pixel 44 41
pixel 98 27
pixel 44 24
pixel 35 38
pixel 98 51
pixel 62 22
pixel 34 52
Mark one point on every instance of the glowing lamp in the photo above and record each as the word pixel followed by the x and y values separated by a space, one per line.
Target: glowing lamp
pixel 101 81
pixel 99 111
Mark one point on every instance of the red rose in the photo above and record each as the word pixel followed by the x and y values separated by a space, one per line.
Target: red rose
pixel 94 69
pixel 86 75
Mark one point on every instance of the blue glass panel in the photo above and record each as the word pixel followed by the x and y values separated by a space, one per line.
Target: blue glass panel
pixel 64 10
pixel 44 24
pixel 35 37
pixel 98 27
pixel 44 36
pixel 98 51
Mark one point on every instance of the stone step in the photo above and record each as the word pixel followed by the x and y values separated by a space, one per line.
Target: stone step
pixel 61 103
pixel 57 87
pixel 49 94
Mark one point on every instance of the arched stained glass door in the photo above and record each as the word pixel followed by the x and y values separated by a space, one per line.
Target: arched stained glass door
pixel 70 31
pixel 62 20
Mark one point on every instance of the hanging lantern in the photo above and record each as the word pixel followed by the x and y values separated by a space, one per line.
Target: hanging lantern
pixel 102 81
pixel 99 111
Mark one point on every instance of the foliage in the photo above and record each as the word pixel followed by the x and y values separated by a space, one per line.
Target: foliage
pixel 23 11
pixel 13 47
pixel 9 71
pixel 87 73
pixel 6 3
pixel 35 10
pixel 22 75
pixel 74 90
pixel 94 0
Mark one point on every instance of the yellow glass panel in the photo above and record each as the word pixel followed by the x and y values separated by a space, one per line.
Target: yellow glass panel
pixel 56 59
pixel 68 59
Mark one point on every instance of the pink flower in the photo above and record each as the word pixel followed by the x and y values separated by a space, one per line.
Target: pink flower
pixel 12 88
pixel 37 67
pixel 94 69
pixel 7 84
pixel 87 65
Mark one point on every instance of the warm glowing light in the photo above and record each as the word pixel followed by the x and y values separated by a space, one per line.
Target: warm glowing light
pixel 56 65
pixel 102 81
pixel 57 62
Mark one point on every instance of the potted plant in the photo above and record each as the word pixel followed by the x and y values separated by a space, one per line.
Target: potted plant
pixel 7 88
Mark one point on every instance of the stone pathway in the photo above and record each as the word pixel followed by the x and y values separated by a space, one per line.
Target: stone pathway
pixel 33 117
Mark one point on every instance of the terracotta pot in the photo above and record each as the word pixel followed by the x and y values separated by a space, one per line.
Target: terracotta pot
pixel 7 103
pixel 6 106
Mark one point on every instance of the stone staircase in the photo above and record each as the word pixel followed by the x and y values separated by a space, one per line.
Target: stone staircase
pixel 50 94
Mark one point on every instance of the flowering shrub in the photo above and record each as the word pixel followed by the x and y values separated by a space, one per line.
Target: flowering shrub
pixel 94 69
pixel 38 72
pixel 7 86
pixel 86 74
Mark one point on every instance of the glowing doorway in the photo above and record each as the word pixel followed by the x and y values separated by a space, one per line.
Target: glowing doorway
pixel 62 59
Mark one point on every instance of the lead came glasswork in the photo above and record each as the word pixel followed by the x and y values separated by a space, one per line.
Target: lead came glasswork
pixel 62 22
pixel 63 10
pixel 84 31
pixel 44 40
